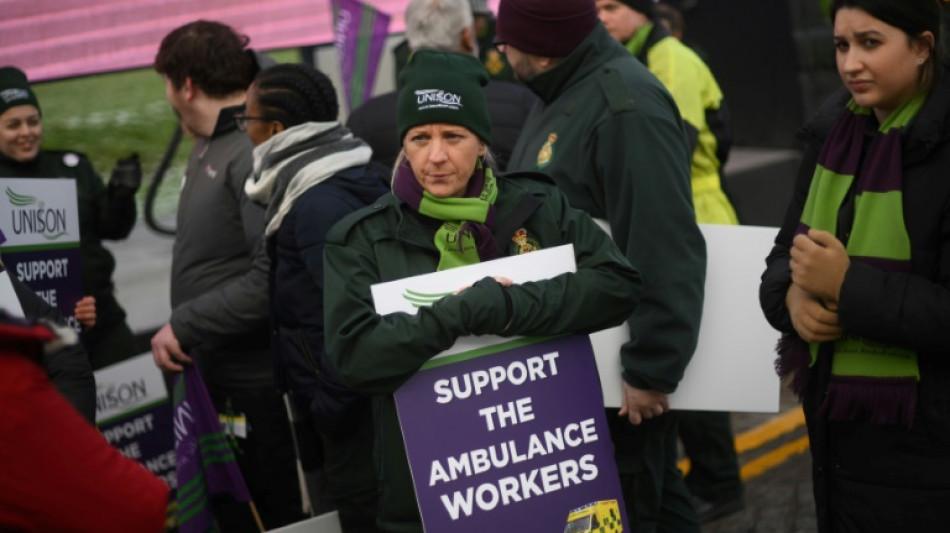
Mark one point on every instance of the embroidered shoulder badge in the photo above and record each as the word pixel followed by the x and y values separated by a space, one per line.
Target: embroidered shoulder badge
pixel 494 64
pixel 547 151
pixel 525 243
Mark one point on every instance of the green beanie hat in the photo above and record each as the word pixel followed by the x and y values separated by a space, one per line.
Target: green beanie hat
pixel 15 90
pixel 444 87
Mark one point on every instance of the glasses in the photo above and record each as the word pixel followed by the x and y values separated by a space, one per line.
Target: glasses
pixel 500 46
pixel 242 120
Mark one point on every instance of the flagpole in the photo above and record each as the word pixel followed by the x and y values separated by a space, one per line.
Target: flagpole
pixel 257 517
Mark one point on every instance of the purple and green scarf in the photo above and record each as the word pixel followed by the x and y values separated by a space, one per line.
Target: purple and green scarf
pixel 869 380
pixel 465 237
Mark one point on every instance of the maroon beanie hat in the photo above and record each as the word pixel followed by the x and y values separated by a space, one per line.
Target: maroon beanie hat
pixel 547 28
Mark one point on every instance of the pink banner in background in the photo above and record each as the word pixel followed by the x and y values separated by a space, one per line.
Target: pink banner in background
pixel 52 39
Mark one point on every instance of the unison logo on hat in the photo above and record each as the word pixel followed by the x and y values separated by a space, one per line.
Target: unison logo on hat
pixel 436 99
pixel 14 94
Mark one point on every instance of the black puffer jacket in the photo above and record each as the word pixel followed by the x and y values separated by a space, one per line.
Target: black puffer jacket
pixel 906 309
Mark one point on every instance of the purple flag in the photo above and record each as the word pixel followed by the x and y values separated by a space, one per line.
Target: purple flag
pixel 359 33
pixel 205 461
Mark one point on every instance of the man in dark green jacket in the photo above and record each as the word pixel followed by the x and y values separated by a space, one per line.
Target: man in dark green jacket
pixel 611 136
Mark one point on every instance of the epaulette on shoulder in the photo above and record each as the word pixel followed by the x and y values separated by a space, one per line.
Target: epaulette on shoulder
pixel 339 232
pixel 615 90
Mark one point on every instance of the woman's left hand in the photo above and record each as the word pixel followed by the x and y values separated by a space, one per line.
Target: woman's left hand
pixel 819 263
pixel 505 282
pixel 85 311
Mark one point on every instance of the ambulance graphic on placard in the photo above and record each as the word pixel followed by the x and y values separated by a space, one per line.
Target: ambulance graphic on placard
pixel 596 517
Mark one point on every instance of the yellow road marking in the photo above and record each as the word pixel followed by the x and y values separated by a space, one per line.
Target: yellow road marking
pixel 776 427
pixel 773 458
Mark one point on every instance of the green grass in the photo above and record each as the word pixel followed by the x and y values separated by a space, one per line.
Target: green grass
pixel 109 116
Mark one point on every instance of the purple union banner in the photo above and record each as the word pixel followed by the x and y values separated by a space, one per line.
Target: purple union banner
pixel 510 438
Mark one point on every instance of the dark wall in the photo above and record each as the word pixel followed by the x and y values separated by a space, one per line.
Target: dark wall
pixel 751 47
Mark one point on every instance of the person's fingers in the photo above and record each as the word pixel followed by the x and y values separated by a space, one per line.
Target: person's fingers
pixel 180 356
pixel 823 238
pixel 505 282
pixel 165 362
pixel 634 417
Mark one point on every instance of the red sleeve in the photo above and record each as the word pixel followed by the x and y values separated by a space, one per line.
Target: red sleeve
pixel 59 473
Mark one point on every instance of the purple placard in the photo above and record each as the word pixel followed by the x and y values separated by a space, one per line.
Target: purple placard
pixel 520 455
pixel 145 436
pixel 55 275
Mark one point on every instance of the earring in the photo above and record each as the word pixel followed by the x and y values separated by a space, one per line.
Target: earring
pixel 920 61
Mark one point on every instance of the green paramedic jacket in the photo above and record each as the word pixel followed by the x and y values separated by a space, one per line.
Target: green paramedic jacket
pixel 610 135
pixel 388 240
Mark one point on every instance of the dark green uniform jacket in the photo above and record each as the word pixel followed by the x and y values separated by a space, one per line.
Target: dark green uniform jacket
pixel 388 240
pixel 105 212
pixel 610 134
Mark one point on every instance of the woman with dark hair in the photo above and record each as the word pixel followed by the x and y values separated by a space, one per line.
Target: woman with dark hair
pixel 858 279
pixel 310 172
pixel 449 209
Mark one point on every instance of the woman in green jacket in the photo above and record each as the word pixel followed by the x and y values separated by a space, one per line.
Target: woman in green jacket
pixel 448 209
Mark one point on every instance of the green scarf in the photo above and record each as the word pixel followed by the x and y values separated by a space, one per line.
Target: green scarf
pixel 870 380
pixel 465 237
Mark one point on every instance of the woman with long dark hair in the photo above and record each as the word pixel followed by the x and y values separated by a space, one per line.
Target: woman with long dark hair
pixel 859 278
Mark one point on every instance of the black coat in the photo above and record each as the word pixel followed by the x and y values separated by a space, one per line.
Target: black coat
pixel 905 309
pixel 68 367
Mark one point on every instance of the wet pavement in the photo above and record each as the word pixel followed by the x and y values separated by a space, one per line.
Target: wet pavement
pixel 778 500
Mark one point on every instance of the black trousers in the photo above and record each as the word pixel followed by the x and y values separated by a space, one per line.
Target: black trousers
pixel 655 496
pixel 708 442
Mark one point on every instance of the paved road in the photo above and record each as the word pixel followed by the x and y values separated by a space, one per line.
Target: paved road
pixel 779 500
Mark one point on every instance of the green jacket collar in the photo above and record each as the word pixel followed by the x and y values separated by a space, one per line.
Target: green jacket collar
pixel 415 229
pixel 635 44
pixel 596 49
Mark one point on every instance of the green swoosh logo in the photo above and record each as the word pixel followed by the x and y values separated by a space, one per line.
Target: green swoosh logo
pixel 423 299
pixel 19 200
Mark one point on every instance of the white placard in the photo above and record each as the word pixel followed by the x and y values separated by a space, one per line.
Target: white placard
pixel 732 369
pixel 128 386
pixel 39 211
pixel 325 523
pixel 399 295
